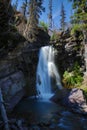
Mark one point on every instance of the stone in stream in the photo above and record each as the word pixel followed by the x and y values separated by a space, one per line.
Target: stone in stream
pixel 76 101
pixel 59 95
pixel 73 99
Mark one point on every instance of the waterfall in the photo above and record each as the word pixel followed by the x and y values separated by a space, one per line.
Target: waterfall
pixel 46 69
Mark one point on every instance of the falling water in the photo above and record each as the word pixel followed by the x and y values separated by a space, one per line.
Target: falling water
pixel 46 69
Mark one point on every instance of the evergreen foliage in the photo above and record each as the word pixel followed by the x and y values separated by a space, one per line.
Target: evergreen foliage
pixel 44 26
pixel 35 10
pixel 62 20
pixel 80 16
pixel 4 17
pixel 15 5
pixel 50 14
pixel 24 7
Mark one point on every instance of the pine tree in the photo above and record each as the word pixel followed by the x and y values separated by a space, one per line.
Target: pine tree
pixel 35 9
pixel 33 14
pixel 15 5
pixel 80 20
pixel 24 7
pixel 4 17
pixel 80 14
pixel 50 14
pixel 62 20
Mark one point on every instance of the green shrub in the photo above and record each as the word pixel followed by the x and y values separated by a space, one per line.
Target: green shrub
pixel 76 28
pixel 54 36
pixel 77 31
pixel 44 26
pixel 85 92
pixel 73 78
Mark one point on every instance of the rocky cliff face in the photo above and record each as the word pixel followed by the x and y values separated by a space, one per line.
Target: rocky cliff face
pixel 70 50
pixel 18 71
pixel 12 83
pixel 17 75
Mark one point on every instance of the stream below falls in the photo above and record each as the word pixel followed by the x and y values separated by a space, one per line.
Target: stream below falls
pixel 46 115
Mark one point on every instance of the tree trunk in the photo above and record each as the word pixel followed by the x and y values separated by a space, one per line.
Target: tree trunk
pixel 85 49
pixel 3 112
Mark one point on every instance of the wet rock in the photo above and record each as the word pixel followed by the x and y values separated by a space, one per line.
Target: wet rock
pixel 35 127
pixel 13 127
pixel 76 101
pixel 53 126
pixel 84 123
pixel 73 99
pixel 69 121
pixel 59 95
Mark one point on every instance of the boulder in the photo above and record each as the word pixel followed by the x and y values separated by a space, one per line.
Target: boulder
pixel 59 95
pixel 73 99
pixel 76 101
pixel 13 88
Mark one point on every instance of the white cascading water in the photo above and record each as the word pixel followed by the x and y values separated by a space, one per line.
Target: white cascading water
pixel 45 70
